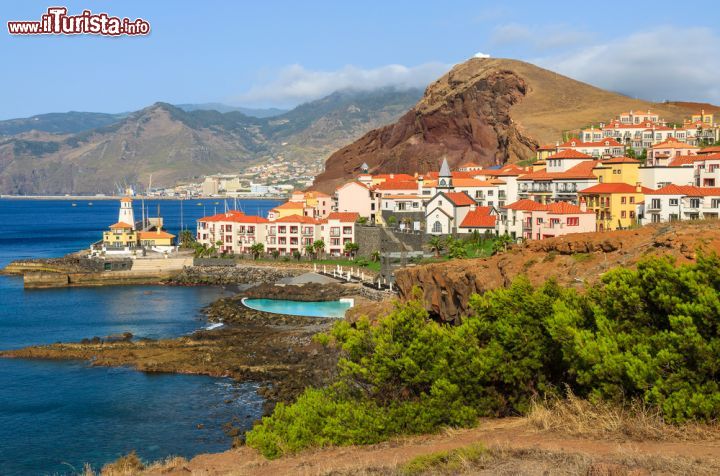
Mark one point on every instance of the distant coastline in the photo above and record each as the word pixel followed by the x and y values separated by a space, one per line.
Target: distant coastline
pixel 137 197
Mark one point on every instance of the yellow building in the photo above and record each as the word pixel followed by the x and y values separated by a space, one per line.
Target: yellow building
pixel 287 209
pixel 615 204
pixel 545 151
pixel 151 239
pixel 120 236
pixel 705 118
pixel 618 170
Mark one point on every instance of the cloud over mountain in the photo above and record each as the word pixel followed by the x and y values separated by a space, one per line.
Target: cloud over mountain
pixel 295 84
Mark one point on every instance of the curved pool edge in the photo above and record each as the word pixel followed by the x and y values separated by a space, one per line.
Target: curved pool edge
pixel 349 301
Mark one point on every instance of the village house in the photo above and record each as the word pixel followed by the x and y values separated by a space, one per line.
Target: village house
pixel 616 205
pixel 532 220
pixel 356 197
pixel 663 153
pixel 607 147
pixel 446 211
pixel 479 219
pixel 128 237
pixel 674 202
pixel 231 232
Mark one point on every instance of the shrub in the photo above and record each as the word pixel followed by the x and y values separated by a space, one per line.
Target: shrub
pixel 651 334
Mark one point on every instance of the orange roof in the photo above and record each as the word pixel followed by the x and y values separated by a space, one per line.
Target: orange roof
pixel 507 170
pixel 126 199
pixel 680 160
pixel 620 160
pixel 460 199
pixel 121 224
pixel 399 177
pixel 709 150
pixel 614 188
pixel 673 143
pixel 583 170
pixel 471 182
pixel 235 217
pixel 344 216
pixel 298 219
pixel 547 147
pixel 150 235
pixel 564 208
pixel 479 218
pixel 290 206
pixel 569 154
pixel 397 185
pixel 525 205
pixel 607 142
pixel 469 164
pixel 315 194
pixel 687 190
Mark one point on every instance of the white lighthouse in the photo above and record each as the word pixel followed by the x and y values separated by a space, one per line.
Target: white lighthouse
pixel 126 214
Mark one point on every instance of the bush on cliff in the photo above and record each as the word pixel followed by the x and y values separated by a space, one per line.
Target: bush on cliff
pixel 650 334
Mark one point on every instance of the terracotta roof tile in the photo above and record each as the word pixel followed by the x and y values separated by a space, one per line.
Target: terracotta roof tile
pixel 120 224
pixel 686 190
pixel 479 218
pixel 344 216
pixel 460 199
pixel 525 205
pixel 569 154
pixel 614 188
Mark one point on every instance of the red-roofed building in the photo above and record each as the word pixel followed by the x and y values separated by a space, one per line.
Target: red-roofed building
pixel 481 219
pixel 337 231
pixel 663 153
pixel 356 197
pixel 446 211
pixel 536 221
pixel 616 205
pixel 601 148
pixel 677 202
pixel 546 186
pixel 231 232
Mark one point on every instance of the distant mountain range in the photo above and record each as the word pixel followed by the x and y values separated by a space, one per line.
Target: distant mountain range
pixel 78 152
pixel 248 111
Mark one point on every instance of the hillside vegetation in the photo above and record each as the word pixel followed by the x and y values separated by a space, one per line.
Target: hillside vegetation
pixel 650 335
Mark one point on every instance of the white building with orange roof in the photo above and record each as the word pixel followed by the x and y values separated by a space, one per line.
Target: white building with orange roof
pixel 469 167
pixel 316 204
pixel 446 211
pixel 557 183
pixel 479 219
pixel 231 232
pixel 661 154
pixel 286 209
pixel 337 231
pixel 356 197
pixel 607 147
pixel 674 202
pixel 292 233
pixel 536 221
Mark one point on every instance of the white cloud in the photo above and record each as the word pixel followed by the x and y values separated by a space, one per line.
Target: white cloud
pixel 295 84
pixel 537 38
pixel 664 63
pixel 480 54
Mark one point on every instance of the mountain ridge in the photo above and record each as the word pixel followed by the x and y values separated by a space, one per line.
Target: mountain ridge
pixel 175 145
pixel 485 110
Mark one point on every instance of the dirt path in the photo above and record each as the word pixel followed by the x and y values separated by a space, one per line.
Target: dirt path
pixel 510 434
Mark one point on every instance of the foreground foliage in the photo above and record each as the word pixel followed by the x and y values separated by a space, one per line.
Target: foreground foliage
pixel 649 335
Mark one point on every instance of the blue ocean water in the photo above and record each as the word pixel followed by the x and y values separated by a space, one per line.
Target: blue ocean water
pixel 56 416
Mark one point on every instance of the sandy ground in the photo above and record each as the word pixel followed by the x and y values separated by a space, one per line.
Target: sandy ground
pixel 509 434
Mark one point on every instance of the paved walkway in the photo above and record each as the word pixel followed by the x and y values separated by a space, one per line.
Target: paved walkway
pixel 308 278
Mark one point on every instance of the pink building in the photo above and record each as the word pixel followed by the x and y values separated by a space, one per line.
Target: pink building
pixel 337 231
pixel 235 231
pixel 536 221
pixel 355 197
pixel 663 153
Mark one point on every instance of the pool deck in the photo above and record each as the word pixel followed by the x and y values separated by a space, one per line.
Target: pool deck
pixel 308 278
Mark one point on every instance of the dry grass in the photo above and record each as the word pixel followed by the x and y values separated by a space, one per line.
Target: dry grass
pixel 131 465
pixel 578 417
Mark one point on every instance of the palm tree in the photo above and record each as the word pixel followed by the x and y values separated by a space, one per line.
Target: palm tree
pixel 436 245
pixel 501 243
pixel 275 254
pixel 319 247
pixel 257 249
pixel 310 250
pixel 297 255
pixel 375 256
pixel 187 239
pixel 351 248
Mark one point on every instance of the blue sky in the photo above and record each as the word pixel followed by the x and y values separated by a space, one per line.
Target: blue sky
pixel 275 53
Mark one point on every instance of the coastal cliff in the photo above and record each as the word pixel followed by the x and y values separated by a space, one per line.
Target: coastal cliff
pixel 572 260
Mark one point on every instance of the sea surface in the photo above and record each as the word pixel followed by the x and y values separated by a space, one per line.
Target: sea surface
pixel 57 416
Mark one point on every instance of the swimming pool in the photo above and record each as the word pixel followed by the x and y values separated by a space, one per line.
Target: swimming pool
pixel 301 308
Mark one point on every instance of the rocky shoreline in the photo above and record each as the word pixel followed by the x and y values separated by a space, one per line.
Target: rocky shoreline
pixel 275 350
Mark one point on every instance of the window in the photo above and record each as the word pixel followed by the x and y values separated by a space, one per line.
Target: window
pixel 655 203
pixel 632 214
pixel 623 214
pixel 694 203
pixel 539 221
pixel 632 199
pixel 623 200
pixel 573 221
pixel 439 203
pixel 715 203
pixel 673 202
pixel 437 227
